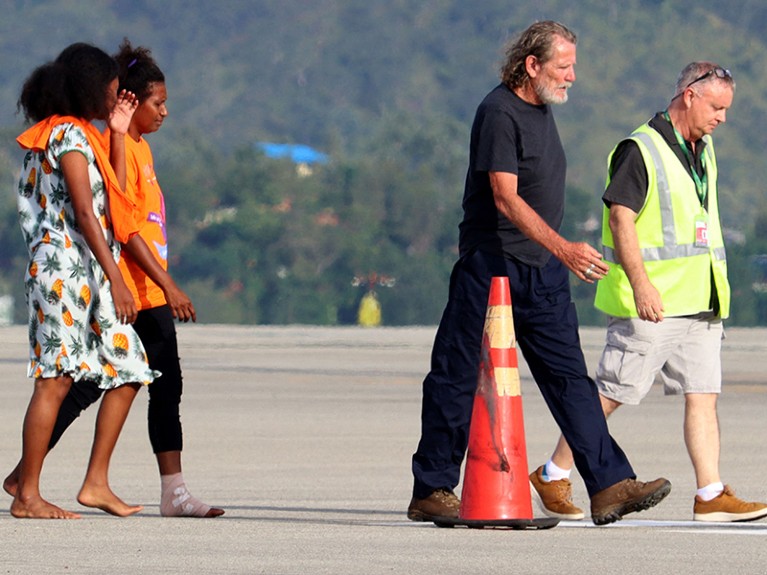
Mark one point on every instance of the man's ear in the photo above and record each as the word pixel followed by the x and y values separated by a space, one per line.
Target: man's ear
pixel 687 97
pixel 532 65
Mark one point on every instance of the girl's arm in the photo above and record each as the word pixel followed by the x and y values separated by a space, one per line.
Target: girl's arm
pixel 179 302
pixel 119 121
pixel 74 165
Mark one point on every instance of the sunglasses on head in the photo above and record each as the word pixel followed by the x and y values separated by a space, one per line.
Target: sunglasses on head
pixel 720 73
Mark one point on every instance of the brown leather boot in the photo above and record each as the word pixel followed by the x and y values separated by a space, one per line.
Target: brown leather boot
pixel 441 503
pixel 627 496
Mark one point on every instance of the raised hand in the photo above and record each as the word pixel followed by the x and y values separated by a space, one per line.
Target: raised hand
pixel 120 117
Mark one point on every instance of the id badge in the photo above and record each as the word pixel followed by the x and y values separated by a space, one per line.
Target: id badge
pixel 701 232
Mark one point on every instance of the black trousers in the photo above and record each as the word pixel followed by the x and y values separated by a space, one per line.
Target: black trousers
pixel 546 329
pixel 157 330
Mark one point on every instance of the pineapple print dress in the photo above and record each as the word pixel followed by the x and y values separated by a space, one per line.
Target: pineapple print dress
pixel 73 328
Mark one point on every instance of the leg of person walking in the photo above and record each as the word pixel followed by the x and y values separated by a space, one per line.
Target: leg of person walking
pixel 81 394
pixel 157 330
pixel 113 412
pixel 38 424
pixel 547 333
pixel 448 393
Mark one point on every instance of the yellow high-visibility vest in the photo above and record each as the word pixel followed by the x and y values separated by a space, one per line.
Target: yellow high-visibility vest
pixel 679 269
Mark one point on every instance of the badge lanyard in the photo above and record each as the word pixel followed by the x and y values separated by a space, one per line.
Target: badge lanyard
pixel 701 186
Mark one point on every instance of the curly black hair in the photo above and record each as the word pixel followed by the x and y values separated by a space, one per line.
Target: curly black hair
pixel 138 70
pixel 74 84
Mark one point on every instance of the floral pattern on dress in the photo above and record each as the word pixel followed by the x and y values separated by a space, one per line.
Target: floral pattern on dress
pixel 73 328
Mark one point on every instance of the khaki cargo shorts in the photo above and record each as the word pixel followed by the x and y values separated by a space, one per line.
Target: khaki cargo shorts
pixel 683 353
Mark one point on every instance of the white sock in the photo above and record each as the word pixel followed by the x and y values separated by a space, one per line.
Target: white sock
pixel 176 501
pixel 553 473
pixel 710 491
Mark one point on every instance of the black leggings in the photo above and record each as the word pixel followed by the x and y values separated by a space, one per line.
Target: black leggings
pixel 157 331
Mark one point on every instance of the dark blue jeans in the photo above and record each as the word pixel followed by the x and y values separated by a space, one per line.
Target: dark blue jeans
pixel 546 329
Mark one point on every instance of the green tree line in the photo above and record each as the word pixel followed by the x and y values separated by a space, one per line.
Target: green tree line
pixel 387 89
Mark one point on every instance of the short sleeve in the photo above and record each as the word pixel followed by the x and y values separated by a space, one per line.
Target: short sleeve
pixel 67 138
pixel 497 143
pixel 628 181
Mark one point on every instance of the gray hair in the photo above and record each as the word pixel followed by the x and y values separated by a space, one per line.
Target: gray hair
pixel 538 41
pixel 700 73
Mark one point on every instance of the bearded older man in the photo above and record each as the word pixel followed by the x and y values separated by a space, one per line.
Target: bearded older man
pixel 513 207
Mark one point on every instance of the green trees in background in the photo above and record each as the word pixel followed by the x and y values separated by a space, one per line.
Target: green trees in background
pixel 264 241
pixel 259 240
pixel 387 89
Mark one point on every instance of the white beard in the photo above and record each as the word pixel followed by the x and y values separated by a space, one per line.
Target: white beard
pixel 548 96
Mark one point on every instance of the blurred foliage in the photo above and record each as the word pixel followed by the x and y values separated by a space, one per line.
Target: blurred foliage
pixel 388 90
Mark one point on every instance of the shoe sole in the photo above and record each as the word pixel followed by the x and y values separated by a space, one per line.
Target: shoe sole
pixel 650 500
pixel 418 516
pixel 724 517
pixel 547 512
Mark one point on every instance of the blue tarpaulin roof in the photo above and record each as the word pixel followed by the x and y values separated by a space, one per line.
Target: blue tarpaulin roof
pixel 298 153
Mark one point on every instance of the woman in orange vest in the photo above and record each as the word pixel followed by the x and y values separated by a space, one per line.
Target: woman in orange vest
pixel 80 308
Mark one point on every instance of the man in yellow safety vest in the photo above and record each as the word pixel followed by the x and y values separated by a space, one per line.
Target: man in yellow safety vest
pixel 666 292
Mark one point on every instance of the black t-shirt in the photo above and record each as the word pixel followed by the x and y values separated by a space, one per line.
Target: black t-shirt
pixel 510 135
pixel 628 183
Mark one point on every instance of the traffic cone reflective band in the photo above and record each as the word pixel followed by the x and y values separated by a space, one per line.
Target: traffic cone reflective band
pixel 499 331
pixel 496 484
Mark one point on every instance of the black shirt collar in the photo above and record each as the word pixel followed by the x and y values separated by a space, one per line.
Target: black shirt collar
pixel 660 124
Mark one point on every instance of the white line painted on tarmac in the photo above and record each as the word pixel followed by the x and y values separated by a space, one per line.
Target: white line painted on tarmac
pixel 677 526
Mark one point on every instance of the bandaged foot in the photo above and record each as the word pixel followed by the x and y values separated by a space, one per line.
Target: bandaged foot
pixel 176 501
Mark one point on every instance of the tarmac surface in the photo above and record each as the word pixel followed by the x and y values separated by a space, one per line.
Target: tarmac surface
pixel 304 435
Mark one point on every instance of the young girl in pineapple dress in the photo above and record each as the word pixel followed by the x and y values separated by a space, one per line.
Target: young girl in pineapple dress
pixel 73 327
pixel 79 306
pixel 160 301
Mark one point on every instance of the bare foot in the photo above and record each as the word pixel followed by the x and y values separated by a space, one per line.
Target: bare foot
pixel 39 508
pixel 103 498
pixel 11 483
pixel 214 512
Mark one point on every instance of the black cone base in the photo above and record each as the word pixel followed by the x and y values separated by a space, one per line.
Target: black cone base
pixel 518 524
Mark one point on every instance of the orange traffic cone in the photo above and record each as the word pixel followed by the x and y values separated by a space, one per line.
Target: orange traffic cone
pixel 496 488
